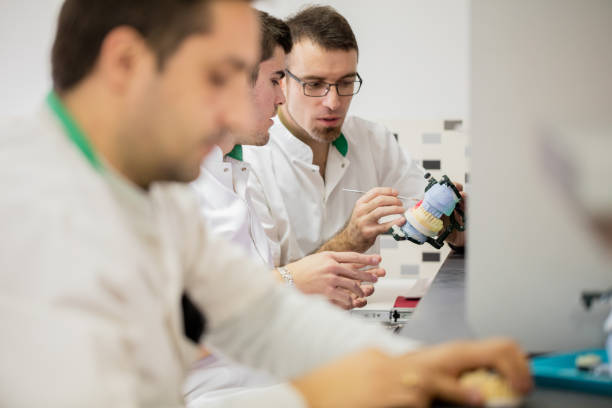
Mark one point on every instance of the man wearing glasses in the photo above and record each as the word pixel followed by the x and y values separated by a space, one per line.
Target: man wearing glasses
pixel 316 151
pixel 227 206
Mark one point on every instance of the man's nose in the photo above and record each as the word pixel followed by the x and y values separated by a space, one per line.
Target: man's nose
pixel 332 99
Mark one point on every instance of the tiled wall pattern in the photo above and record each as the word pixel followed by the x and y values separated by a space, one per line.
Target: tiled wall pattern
pixel 441 147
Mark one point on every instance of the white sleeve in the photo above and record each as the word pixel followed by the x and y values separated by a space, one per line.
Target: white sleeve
pixel 280 395
pixel 289 334
pixel 260 323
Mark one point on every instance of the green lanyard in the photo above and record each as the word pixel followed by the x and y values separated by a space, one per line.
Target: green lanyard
pixel 73 131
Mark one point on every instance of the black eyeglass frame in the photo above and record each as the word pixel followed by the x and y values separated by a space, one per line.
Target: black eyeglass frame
pixel 329 85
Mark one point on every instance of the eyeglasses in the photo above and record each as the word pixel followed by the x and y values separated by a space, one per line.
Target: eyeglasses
pixel 318 89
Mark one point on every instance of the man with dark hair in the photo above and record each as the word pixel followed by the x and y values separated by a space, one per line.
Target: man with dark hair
pixel 274 33
pixel 227 208
pixel 316 151
pixel 99 246
pixel 324 26
pixel 226 203
pixel 163 25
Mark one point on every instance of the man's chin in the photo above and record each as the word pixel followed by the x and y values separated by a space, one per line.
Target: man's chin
pixel 261 139
pixel 182 174
pixel 326 134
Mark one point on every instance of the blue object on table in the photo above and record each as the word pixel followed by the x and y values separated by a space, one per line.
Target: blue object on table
pixel 559 371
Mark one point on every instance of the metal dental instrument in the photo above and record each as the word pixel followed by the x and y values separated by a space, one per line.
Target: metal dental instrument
pixel 363 192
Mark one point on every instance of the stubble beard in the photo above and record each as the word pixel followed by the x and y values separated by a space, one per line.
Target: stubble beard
pixel 326 134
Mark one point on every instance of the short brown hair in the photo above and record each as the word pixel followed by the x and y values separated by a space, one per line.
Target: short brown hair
pixel 274 32
pixel 324 26
pixel 83 25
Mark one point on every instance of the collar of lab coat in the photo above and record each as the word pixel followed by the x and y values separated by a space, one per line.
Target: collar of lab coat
pixel 215 156
pixel 236 153
pixel 216 164
pixel 341 144
pixel 225 168
pixel 131 193
pixel 135 199
pixel 300 150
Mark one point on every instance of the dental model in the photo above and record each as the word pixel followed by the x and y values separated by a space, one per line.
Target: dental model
pixel 608 330
pixel 424 220
pixel 495 390
pixel 588 298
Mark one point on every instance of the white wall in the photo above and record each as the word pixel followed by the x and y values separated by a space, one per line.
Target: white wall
pixel 542 138
pixel 26 34
pixel 414 55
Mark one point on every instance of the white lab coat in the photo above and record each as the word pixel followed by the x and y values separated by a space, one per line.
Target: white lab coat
pixel 91 274
pixel 227 207
pixel 301 211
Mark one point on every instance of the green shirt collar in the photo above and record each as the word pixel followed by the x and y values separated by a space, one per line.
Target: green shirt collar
pixel 236 153
pixel 341 144
pixel 73 131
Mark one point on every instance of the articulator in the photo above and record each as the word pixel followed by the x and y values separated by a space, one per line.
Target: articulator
pixel 424 220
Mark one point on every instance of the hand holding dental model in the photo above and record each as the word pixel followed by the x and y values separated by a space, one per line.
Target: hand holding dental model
pixel 424 221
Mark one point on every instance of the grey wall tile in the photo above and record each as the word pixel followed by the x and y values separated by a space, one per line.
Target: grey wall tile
pixel 453 124
pixel 432 138
pixel 410 270
pixel 432 164
pixel 431 257
pixel 388 243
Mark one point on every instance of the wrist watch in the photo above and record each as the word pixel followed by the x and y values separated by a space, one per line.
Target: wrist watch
pixel 286 275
